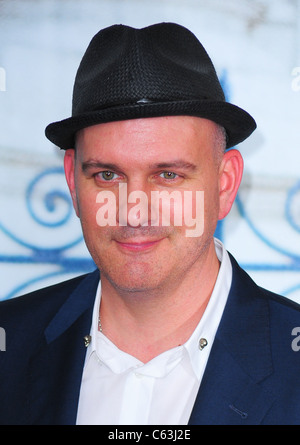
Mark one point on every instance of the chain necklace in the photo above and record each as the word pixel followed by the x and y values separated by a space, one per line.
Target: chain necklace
pixel 202 342
pixel 99 324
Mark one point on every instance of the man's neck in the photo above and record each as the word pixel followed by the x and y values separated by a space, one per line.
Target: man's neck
pixel 145 324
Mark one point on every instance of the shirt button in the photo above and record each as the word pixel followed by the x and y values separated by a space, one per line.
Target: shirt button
pixel 138 375
pixel 202 343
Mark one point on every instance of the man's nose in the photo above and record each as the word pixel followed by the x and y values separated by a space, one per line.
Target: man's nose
pixel 134 204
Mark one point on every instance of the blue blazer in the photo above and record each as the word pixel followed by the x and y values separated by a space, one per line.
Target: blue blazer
pixel 252 375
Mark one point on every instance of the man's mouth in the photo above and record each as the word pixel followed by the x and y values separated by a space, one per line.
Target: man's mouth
pixel 138 245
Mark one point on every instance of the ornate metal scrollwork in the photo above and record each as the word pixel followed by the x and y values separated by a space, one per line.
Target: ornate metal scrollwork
pixel 54 210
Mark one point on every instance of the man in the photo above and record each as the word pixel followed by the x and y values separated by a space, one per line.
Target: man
pixel 174 332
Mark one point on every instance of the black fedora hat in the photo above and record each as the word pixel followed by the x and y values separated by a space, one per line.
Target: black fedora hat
pixel 160 70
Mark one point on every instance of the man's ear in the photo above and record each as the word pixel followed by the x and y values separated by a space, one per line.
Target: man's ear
pixel 230 176
pixel 69 165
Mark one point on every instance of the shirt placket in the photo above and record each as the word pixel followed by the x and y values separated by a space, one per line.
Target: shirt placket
pixel 137 397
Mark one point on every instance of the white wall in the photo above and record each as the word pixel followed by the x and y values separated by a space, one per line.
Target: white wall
pixel 255 45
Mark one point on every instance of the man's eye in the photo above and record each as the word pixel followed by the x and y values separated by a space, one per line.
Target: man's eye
pixel 107 175
pixel 168 175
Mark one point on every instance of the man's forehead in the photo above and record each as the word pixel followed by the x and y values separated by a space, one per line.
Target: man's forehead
pixel 179 142
pixel 147 127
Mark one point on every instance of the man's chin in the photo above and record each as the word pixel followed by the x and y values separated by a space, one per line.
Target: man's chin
pixel 134 281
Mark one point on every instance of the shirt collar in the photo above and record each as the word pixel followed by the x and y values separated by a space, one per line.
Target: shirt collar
pixel 208 325
pixel 205 330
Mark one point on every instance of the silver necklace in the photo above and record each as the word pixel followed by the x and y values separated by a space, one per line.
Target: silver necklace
pixel 99 324
pixel 202 342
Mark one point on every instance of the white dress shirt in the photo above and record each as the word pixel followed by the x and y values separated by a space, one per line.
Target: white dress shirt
pixel 118 389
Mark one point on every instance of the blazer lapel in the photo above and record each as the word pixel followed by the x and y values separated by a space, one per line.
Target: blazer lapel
pixel 231 392
pixel 56 369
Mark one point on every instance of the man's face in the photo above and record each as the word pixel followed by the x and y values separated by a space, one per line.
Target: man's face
pixel 145 156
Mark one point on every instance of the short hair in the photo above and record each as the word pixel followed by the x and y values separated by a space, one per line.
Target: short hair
pixel 220 143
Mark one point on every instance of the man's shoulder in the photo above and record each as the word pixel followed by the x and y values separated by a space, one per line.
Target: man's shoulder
pixel 44 300
pixel 280 301
pixel 243 283
pixel 284 316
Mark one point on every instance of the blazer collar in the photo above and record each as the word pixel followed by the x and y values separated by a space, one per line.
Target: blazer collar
pixel 55 371
pixel 245 326
pixel 240 359
pixel 80 300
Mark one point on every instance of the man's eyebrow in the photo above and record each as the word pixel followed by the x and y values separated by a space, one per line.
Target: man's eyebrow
pixel 175 164
pixel 94 165
pixel 89 165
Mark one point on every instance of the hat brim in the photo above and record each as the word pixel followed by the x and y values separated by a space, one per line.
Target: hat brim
pixel 236 121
